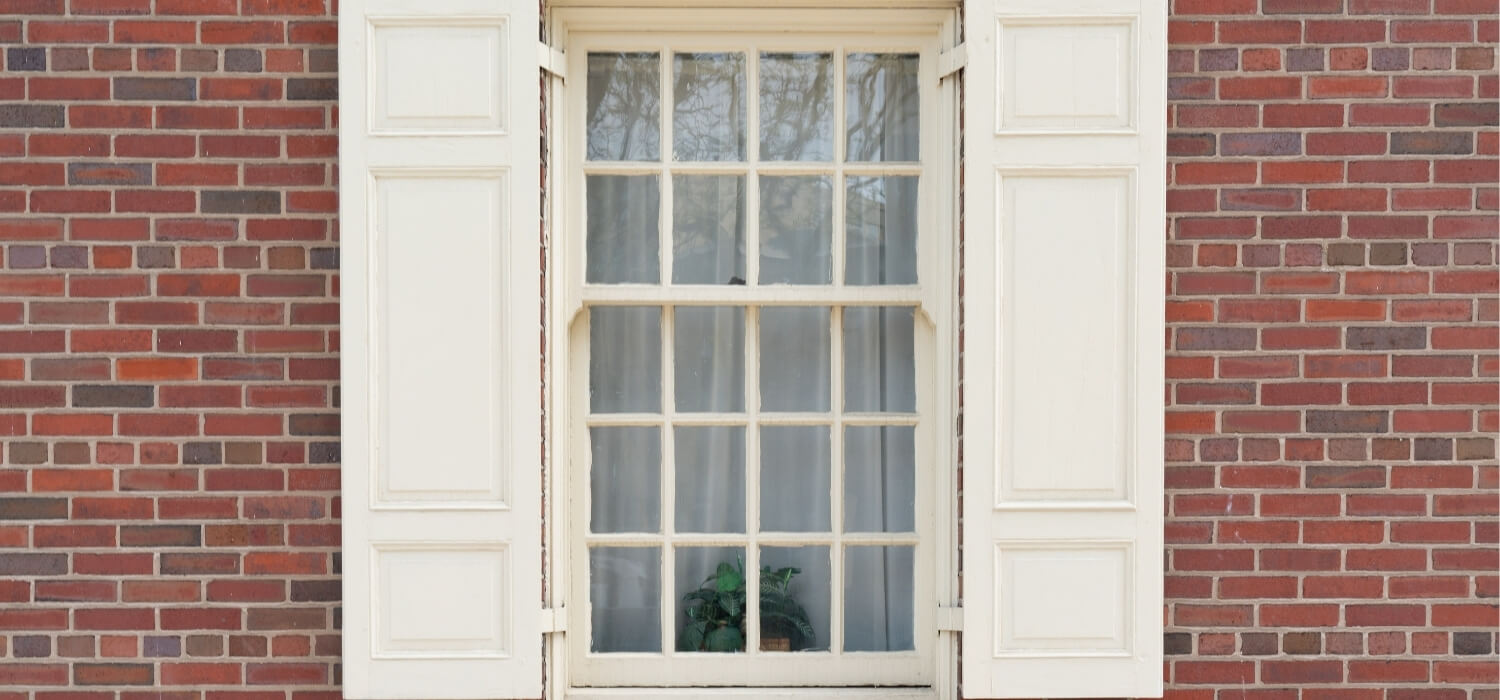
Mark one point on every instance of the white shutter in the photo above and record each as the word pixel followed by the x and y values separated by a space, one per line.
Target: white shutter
pixel 1064 246
pixel 441 296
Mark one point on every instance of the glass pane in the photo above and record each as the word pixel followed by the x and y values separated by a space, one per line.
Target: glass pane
pixel 796 106
pixel 625 359
pixel 794 358
pixel 625 480
pixel 710 464
pixel 794 605
pixel 881 102
pixel 625 592
pixel 708 229
pixel 708 119
pixel 880 479
pixel 623 220
pixel 880 225
pixel 879 364
pixel 794 477
pixel 710 357
pixel 878 598
pixel 624 118
pixel 710 599
pixel 796 229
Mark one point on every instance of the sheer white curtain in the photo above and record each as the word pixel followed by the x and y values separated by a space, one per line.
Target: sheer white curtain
pixel 794 353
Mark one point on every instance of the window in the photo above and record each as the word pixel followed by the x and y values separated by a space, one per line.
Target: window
pixel 753 379
pixel 743 350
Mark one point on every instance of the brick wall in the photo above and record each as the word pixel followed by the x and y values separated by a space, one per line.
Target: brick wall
pixel 168 349
pixel 1331 468
pixel 168 338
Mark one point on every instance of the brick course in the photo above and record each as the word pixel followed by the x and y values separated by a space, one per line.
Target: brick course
pixel 169 339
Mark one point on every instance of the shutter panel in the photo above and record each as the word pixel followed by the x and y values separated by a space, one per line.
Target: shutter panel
pixel 1063 347
pixel 439 153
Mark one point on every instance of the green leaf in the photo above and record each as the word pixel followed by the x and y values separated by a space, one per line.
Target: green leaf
pixel 729 579
pixel 725 639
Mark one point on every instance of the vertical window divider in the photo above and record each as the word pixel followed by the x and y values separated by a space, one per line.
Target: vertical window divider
pixel 752 160
pixel 664 169
pixel 752 342
pixel 836 483
pixel 668 481
pixel 752 473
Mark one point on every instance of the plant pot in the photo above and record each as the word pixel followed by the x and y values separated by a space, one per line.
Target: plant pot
pixel 775 643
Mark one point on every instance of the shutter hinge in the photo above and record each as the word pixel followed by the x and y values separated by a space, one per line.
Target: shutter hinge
pixel 952 61
pixel 950 619
pixel 554 620
pixel 552 60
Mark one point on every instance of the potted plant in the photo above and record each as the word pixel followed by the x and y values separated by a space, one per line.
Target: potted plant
pixel 716 612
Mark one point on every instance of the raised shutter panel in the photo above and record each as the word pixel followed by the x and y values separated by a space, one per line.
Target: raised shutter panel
pixel 1064 245
pixel 439 213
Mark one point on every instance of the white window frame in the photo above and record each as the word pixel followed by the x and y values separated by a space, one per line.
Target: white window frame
pixel 932 673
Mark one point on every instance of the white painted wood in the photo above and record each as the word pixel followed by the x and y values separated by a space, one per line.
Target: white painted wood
pixel 1064 246
pixel 441 422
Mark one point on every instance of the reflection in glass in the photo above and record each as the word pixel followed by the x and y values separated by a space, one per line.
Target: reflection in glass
pixel 796 106
pixel 794 358
pixel 625 595
pixel 796 229
pixel 794 478
pixel 625 480
pixel 697 589
pixel 710 463
pixel 625 359
pixel 878 598
pixel 881 102
pixel 879 359
pixel 622 241
pixel 880 225
pixel 708 119
pixel 624 110
pixel 708 229
pixel 710 356
pixel 794 617
pixel 880 491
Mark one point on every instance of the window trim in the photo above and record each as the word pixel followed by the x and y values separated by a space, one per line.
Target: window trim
pixel 567 330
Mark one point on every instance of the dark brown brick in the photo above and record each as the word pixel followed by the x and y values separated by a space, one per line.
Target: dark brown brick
pixel 312 89
pixel 319 591
pixel 14 116
pixel 240 202
pixel 1467 114
pixel 113 396
pixel 1348 422
pixel 1388 254
pixel 242 60
pixel 315 424
pixel 33 508
pixel 1210 338
pixel 242 453
pixel 1378 338
pixel 31 564
pixel 1346 477
pixel 1433 449
pixel 156 89
pixel 1432 142
pixel 203 453
pixel 113 674
pixel 160 536
pixel 109 173
pixel 1343 254
pixel 1301 643
pixel 1475 448
pixel 27 453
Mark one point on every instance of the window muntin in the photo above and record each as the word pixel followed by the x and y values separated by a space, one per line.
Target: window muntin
pixel 777 420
